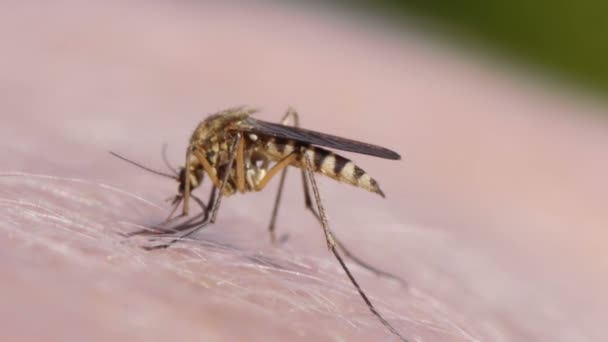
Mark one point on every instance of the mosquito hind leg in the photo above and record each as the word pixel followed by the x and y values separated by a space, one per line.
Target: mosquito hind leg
pixel 293 114
pixel 275 208
pixel 346 251
pixel 331 244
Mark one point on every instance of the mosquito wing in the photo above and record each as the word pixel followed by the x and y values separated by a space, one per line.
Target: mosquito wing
pixel 314 138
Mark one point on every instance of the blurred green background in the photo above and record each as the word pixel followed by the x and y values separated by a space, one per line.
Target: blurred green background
pixel 567 39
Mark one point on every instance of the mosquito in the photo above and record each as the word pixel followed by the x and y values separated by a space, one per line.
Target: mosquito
pixel 242 154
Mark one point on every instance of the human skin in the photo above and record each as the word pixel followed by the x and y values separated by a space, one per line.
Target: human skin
pixel 496 216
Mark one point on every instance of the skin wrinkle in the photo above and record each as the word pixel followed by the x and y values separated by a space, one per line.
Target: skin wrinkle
pixel 478 217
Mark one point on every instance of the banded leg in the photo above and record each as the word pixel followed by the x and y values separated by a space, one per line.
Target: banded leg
pixel 331 244
pixel 308 202
pixel 346 251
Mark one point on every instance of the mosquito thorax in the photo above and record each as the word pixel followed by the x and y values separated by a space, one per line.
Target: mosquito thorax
pixel 216 127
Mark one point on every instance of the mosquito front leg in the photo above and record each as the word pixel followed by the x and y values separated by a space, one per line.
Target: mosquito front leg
pixel 177 202
pixel 188 228
pixel 208 168
pixel 331 244
pixel 161 231
pixel 214 201
pixel 291 113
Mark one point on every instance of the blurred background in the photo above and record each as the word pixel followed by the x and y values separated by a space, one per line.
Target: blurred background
pixel 564 39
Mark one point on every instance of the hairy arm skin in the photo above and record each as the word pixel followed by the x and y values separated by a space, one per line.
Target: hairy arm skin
pixel 496 216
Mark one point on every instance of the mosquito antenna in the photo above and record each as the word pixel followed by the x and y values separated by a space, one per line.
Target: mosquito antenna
pixel 166 160
pixel 143 167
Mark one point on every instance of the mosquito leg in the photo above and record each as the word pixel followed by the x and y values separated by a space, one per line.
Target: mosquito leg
pixel 192 222
pixel 160 231
pixel 216 204
pixel 331 244
pixel 291 113
pixel 176 202
pixel 378 272
pixel 346 251
pixel 214 201
pixel 275 209
pixel 188 228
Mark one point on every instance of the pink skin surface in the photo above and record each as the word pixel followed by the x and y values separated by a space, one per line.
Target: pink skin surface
pixel 496 215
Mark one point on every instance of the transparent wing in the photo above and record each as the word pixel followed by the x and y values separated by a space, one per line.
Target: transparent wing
pixel 315 138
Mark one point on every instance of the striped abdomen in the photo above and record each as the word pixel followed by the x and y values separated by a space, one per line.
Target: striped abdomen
pixel 325 162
